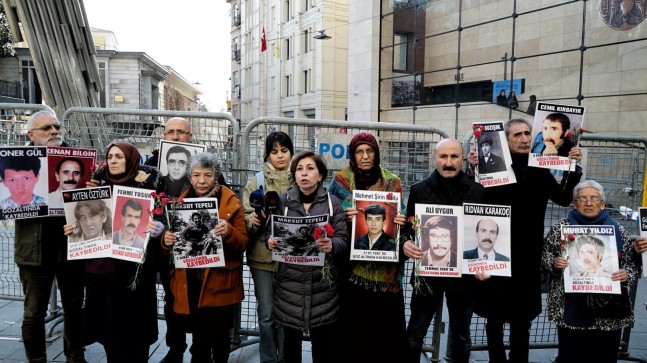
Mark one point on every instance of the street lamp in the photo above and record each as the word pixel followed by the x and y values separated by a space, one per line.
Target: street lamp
pixel 322 35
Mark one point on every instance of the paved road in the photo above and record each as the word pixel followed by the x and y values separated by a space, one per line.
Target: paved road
pixel 11 348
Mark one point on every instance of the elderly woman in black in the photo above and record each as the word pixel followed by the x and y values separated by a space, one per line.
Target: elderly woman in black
pixel 304 300
pixel 586 336
pixel 121 298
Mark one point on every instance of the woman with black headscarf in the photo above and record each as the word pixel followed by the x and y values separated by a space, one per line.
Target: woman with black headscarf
pixel 369 289
pixel 121 297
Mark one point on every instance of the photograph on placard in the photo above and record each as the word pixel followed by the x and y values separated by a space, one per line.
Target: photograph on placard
pixel 495 163
pixel 69 168
pixel 375 236
pixel 172 164
pixel 486 244
pixel 23 182
pixel 438 234
pixel 592 256
pixel 193 222
pixel 131 214
pixel 556 130
pixel 296 238
pixel 89 211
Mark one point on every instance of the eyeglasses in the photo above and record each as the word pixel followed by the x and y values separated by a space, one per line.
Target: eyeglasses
pixel 47 127
pixel 443 237
pixel 179 132
pixel 582 200
pixel 171 162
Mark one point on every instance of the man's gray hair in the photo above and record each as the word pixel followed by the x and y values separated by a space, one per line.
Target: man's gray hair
pixel 204 160
pixel 34 116
pixel 514 121
pixel 589 184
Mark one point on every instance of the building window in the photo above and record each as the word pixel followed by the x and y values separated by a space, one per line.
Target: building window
pixel 235 84
pixel 306 41
pixel 400 45
pixel 286 48
pixel 288 86
pixel 102 78
pixel 287 10
pixel 272 87
pixel 306 81
pixel 235 15
pixel 31 92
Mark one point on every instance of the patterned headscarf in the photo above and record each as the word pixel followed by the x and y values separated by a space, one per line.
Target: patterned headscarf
pixel 365 178
pixel 132 163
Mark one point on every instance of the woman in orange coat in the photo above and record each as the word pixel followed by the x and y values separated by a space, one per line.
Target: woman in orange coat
pixel 209 295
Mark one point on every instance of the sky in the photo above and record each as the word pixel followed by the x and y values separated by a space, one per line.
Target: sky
pixel 190 36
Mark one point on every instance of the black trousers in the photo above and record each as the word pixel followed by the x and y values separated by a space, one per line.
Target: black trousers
pixel 37 286
pixel 325 344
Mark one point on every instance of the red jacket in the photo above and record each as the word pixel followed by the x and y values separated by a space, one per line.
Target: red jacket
pixel 221 285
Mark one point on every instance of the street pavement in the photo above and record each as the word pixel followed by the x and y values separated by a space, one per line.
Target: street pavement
pixel 11 348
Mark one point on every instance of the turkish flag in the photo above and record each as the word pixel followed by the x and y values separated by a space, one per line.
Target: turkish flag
pixel 263 41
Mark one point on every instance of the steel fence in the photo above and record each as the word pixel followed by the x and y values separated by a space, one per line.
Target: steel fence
pixel 13 132
pixel 405 150
pixel 97 127
pixel 617 162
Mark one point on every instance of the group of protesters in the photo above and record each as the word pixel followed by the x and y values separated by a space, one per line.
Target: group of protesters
pixel 353 311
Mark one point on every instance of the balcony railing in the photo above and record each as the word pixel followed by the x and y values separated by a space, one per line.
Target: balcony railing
pixel 10 89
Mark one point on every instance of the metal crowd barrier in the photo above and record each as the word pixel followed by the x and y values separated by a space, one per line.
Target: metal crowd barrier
pixel 13 132
pixel 617 162
pixel 97 127
pixel 405 150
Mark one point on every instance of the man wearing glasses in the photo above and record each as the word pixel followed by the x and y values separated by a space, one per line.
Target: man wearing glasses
pixel 40 253
pixel 175 129
pixel 447 185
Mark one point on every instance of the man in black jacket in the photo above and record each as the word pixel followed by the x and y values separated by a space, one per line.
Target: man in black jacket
pixel 447 185
pixel 175 129
pixel 41 254
pixel 517 299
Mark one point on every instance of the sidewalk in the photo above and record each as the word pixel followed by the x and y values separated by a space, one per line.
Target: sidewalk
pixel 11 348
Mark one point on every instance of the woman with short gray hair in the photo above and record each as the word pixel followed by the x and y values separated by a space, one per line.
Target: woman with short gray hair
pixel 208 296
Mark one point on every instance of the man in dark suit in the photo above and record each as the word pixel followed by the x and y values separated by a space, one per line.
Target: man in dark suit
pixel 487 231
pixel 488 162
pixel 376 238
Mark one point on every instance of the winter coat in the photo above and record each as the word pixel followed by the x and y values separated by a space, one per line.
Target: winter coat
pixel 519 296
pixel 301 299
pixel 220 285
pixel 629 262
pixel 444 191
pixel 258 255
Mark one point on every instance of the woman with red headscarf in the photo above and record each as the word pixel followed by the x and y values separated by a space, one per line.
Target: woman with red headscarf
pixel 121 296
pixel 371 296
